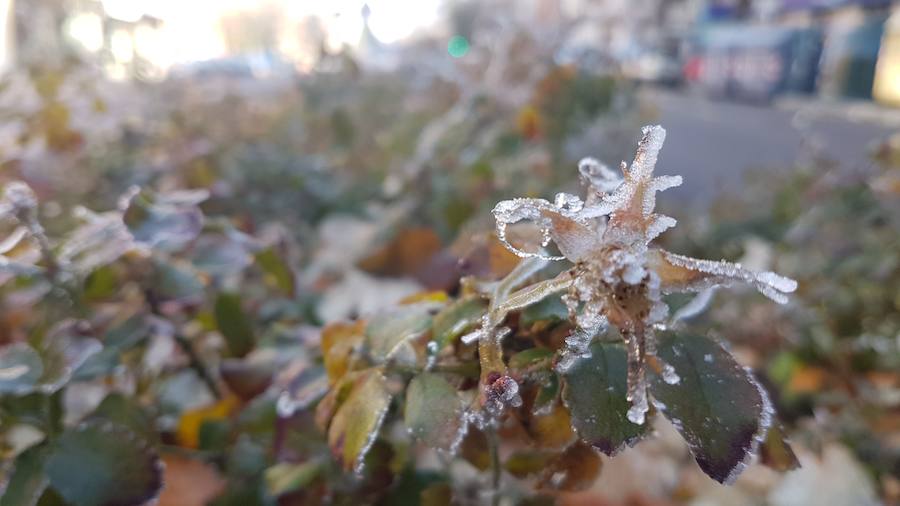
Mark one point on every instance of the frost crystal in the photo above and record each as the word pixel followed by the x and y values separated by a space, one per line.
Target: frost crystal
pixel 598 176
pixel 17 197
pixel 618 278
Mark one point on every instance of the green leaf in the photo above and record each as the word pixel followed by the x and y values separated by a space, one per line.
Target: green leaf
pixel 718 407
pixel 388 334
pixel 221 254
pixel 433 411
pixel 175 282
pixel 124 411
pixel 286 478
pixel 356 423
pixel 21 368
pixel 302 390
pixel 27 481
pixel 278 272
pixel 24 369
pixel 100 464
pixel 65 352
pixel 234 324
pixel 415 487
pixel 548 390
pixel 595 392
pixel 102 283
pixel 532 358
pixel 119 339
pixel 452 321
pixel 164 221
pixel 549 309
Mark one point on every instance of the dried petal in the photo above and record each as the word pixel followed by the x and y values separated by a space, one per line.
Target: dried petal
pixel 679 273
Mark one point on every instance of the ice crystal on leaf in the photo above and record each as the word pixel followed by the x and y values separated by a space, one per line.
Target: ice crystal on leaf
pixel 617 278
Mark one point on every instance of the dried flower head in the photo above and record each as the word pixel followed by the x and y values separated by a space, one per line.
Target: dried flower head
pixel 618 278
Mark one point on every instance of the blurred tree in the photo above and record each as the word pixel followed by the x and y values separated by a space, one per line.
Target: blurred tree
pixel 38 31
pixel 253 31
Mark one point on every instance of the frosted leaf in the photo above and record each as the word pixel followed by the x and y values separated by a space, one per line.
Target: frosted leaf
pixel 473 336
pixel 532 294
pixel 102 239
pixel 568 202
pixel 659 224
pixel 777 281
pixel 18 197
pixel 766 418
pixel 600 177
pixel 579 341
pixel 12 240
pixel 709 273
pixel 509 212
pixel 655 185
pixel 647 152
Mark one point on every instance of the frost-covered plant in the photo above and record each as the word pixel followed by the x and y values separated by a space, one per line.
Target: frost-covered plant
pixel 618 278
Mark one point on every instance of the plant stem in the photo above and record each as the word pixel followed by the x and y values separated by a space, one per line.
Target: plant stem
pixel 197 365
pixel 496 471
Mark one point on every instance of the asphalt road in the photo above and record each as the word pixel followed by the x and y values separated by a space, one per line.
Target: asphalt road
pixel 713 143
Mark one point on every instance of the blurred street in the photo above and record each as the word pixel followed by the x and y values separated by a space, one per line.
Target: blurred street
pixel 712 143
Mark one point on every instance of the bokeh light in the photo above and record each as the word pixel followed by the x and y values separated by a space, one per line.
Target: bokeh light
pixel 458 46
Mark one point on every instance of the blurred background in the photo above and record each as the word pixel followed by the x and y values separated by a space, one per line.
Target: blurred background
pixel 370 141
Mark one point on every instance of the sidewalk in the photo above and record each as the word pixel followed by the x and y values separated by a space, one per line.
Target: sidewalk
pixel 857 111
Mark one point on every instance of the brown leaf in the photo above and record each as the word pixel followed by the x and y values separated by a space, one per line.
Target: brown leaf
pixel 575 469
pixel 189 482
pixel 775 452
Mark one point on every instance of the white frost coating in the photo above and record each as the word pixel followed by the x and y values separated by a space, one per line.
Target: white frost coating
pixel 766 417
pixel 12 240
pixel 648 151
pixel 473 336
pixel 568 202
pixel 600 177
pixel 359 465
pixel 633 273
pixel 658 225
pixel 637 413
pixel 579 341
pixel 17 197
pixel 771 285
pixel 669 375
pixel 777 281
pixel 508 212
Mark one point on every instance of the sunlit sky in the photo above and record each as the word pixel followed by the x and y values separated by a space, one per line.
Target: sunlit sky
pixel 191 27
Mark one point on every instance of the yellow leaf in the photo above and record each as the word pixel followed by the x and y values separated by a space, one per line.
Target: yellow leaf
pixel 188 431
pixel 339 340
pixel 434 296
